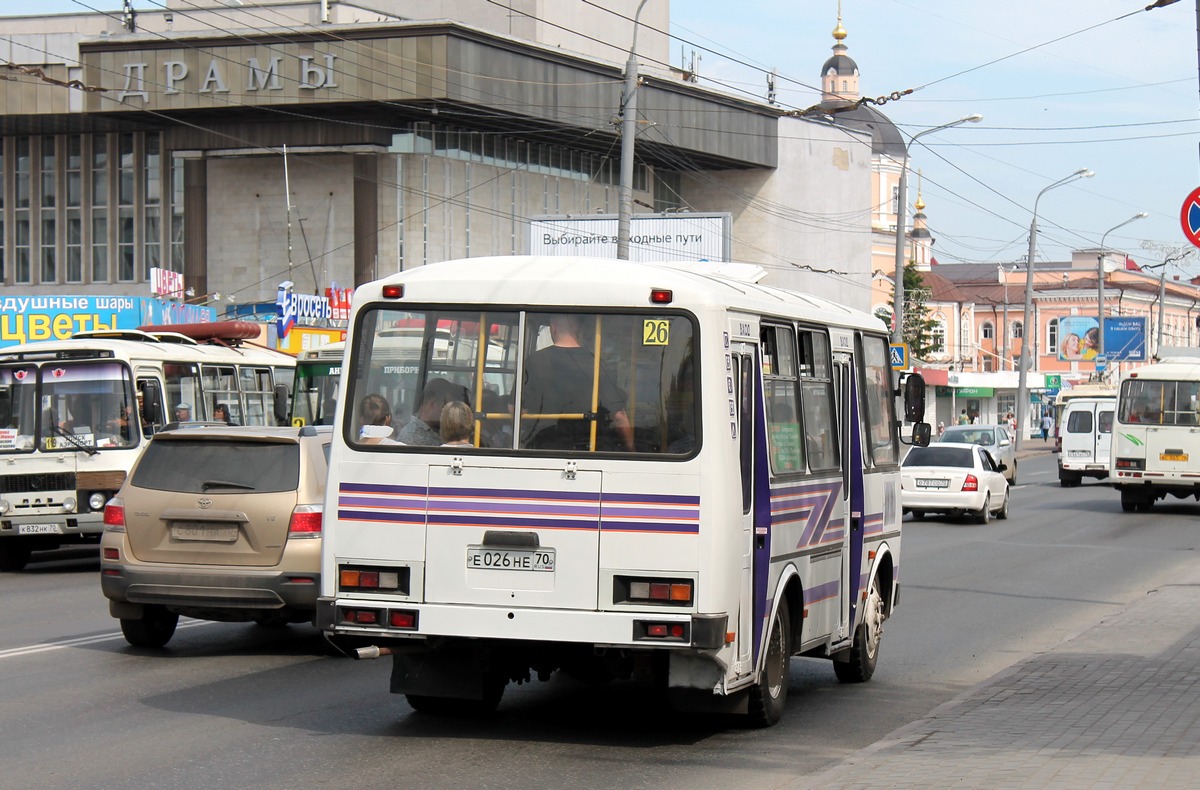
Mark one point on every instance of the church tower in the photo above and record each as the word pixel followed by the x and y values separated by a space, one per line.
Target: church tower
pixel 839 75
pixel 921 252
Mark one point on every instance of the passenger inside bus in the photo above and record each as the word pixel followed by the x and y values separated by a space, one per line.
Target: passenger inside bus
pixel 557 394
pixel 376 420
pixel 457 425
pixel 422 429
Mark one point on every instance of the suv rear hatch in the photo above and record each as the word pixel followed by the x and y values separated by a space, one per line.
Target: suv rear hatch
pixel 218 500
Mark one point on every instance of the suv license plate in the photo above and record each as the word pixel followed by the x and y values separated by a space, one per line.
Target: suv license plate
pixel 39 529
pixel 928 483
pixel 218 534
pixel 540 560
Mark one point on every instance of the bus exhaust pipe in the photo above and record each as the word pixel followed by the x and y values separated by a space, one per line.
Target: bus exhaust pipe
pixel 371 651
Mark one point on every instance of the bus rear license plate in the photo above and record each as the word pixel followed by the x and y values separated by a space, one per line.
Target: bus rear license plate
pixel 209 532
pixel 39 529
pixel 539 560
pixel 1078 454
pixel 927 483
pixel 1173 457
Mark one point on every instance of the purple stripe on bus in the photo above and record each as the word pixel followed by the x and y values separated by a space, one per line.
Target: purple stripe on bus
pixel 641 512
pixel 822 592
pixel 653 499
pixel 381 488
pixel 477 520
pixel 648 526
pixel 495 506
pixel 388 503
pixel 516 493
pixel 376 515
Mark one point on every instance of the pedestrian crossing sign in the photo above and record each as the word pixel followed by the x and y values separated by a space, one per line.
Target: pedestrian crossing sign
pixel 899 355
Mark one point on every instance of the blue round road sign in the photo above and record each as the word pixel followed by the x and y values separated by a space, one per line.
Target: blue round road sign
pixel 1189 217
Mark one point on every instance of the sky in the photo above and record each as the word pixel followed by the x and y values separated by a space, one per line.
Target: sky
pixel 1099 84
pixel 1061 86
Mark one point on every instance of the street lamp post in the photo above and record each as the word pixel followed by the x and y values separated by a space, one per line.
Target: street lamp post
pixel 901 209
pixel 1028 332
pixel 628 129
pixel 1100 277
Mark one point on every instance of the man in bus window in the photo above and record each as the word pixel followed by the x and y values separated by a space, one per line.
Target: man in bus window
pixel 558 380
pixel 422 429
pixel 183 412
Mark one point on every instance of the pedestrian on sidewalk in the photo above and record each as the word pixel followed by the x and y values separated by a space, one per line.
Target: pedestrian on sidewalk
pixel 1047 424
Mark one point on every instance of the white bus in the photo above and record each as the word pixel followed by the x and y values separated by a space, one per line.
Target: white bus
pixel 71 427
pixel 674 471
pixel 1156 436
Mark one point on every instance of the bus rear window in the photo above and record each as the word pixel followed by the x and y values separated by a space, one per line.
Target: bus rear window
pixel 562 382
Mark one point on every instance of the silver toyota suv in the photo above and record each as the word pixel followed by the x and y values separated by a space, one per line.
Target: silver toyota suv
pixel 216 523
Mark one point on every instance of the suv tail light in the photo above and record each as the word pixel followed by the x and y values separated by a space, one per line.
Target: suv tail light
pixel 306 521
pixel 971 483
pixel 114 515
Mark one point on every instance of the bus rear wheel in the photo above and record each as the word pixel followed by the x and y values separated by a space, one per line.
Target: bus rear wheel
pixel 769 696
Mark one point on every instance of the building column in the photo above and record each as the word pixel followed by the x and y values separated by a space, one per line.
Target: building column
pixel 195 224
pixel 366 217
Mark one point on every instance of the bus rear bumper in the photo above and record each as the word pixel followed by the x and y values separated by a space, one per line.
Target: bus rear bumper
pixel 399 620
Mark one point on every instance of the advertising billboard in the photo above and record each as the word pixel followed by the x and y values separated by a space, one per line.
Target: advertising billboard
pixel 652 237
pixel 27 319
pixel 1125 338
pixel 1078 338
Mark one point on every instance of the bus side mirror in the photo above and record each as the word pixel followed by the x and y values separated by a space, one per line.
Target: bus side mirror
pixel 914 397
pixel 921 433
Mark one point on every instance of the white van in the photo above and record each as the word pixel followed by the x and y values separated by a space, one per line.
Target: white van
pixel 1086 439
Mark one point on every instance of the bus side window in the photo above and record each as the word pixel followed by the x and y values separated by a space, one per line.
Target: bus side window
pixel 745 426
pixel 783 426
pixel 816 401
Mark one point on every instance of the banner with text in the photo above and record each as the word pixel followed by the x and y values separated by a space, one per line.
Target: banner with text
pixel 27 319
pixel 652 237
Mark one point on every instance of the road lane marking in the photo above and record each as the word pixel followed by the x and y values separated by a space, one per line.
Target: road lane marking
pixel 45 647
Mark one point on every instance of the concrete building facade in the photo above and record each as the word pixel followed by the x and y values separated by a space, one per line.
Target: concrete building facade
pixel 326 142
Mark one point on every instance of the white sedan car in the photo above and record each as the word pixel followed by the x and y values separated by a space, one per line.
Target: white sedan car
pixel 954 478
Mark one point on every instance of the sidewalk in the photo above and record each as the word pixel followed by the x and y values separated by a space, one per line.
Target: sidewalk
pixel 1116 706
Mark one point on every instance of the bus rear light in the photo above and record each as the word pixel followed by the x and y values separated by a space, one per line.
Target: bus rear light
pixel 971 483
pixel 360 616
pixel 402 618
pixel 661 632
pixel 661 296
pixel 1137 464
pixel 393 291
pixel 306 521
pixel 386 580
pixel 668 591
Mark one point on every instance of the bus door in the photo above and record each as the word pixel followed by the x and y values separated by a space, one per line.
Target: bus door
pixel 150 389
pixel 752 612
pixel 851 496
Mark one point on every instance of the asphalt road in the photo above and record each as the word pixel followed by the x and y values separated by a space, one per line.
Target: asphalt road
pixel 231 705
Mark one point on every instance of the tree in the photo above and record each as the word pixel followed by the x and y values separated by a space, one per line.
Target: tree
pixel 918 326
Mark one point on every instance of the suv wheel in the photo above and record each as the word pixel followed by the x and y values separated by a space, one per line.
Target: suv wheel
pixel 153 629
